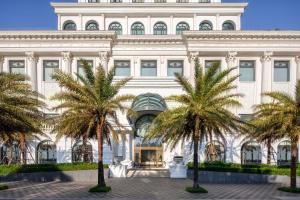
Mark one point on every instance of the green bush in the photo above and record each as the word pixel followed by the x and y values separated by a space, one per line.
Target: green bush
pixel 3 187
pixel 196 190
pixel 255 169
pixel 11 169
pixel 289 189
pixel 100 189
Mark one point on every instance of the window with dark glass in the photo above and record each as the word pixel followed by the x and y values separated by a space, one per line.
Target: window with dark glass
pixel 122 67
pixel 117 27
pixel 137 29
pixel 246 117
pixel 182 26
pixel 205 26
pixel 160 1
pixel 80 69
pixel 138 1
pixel 247 70
pixel 281 71
pixel 69 26
pixel 115 1
pixel 148 68
pixel 17 66
pixel 209 63
pixel 92 26
pixel 93 1
pixel 175 66
pixel 49 67
pixel 160 28
pixel 228 26
pixel 182 1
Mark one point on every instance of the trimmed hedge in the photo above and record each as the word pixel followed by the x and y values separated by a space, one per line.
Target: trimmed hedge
pixel 11 169
pixel 254 169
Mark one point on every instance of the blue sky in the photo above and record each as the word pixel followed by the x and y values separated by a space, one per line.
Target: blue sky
pixel 39 15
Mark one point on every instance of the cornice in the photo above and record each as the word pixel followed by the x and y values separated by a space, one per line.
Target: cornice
pixel 57 35
pixel 149 39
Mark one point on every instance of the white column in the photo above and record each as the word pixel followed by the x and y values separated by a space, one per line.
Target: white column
pixel 192 58
pixel 59 22
pixel 266 79
pixel 104 58
pixel 195 22
pixel 102 24
pixel 1 63
pixel 31 65
pixel 127 30
pixel 172 31
pixel 217 23
pixel 82 27
pixel 127 146
pixel 297 59
pixel 149 26
pixel 67 62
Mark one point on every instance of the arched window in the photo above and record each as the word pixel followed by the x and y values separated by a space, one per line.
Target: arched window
pixel 92 26
pixel 205 26
pixel 182 26
pixel 10 154
pixel 137 29
pixel 284 153
pixel 46 152
pixel 117 27
pixel 251 153
pixel 160 28
pixel 81 152
pixel 228 26
pixel 69 26
pixel 215 151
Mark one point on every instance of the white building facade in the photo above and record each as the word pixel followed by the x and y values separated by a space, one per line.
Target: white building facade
pixel 150 40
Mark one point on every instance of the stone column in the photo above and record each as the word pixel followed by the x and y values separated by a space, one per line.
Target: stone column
pixel 192 58
pixel 104 58
pixel 297 59
pixel 1 63
pixel 32 60
pixel 266 78
pixel 67 62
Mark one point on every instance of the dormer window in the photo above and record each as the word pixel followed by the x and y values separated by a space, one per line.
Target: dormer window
pixel 205 26
pixel 93 1
pixel 92 26
pixel 228 26
pixel 117 27
pixel 160 28
pixel 115 1
pixel 69 26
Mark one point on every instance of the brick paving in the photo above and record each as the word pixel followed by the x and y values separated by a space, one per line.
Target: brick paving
pixel 142 188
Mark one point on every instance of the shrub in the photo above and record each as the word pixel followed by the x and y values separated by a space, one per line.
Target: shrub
pixel 196 190
pixel 289 189
pixel 100 189
pixel 3 187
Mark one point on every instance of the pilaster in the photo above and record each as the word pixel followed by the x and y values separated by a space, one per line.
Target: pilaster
pixel 231 59
pixel 192 59
pixel 297 60
pixel 1 63
pixel 266 81
pixel 104 58
pixel 32 61
pixel 67 62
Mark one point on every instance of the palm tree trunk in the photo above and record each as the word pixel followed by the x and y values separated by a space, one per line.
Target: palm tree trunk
pixel 196 163
pixel 84 149
pixel 269 152
pixel 294 151
pixel 101 181
pixel 23 148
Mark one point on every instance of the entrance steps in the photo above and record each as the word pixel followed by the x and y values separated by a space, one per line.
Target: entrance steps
pixel 148 173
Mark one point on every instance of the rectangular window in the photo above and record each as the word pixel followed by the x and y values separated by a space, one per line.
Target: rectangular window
pixel 246 117
pixel 209 63
pixel 80 69
pixel 247 70
pixel 148 68
pixel 122 67
pixel 17 66
pixel 175 66
pixel 281 71
pixel 49 67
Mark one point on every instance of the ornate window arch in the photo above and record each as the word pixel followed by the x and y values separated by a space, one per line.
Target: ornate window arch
pixel 284 153
pixel 205 26
pixel 117 27
pixel 251 153
pixel 160 28
pixel 10 154
pixel 215 151
pixel 228 26
pixel 137 28
pixel 69 26
pixel 182 26
pixel 46 152
pixel 79 152
pixel 92 26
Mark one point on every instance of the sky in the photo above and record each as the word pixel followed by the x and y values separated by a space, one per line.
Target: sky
pixel 259 15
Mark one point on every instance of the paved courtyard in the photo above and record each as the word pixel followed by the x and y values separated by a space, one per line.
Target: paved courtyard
pixel 141 188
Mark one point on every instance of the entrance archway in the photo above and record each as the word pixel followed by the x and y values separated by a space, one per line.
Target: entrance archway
pixel 251 153
pixel 284 153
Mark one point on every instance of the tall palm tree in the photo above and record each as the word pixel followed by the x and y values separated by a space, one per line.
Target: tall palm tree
pixel 203 111
pixel 20 109
pixel 89 103
pixel 284 112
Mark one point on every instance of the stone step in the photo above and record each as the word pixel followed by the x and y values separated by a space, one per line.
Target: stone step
pixel 144 173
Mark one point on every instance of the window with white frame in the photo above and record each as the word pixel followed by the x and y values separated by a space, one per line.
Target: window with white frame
pixel 49 68
pixel 122 67
pixel 281 71
pixel 148 68
pixel 175 66
pixel 210 63
pixel 17 66
pixel 247 70
pixel 80 68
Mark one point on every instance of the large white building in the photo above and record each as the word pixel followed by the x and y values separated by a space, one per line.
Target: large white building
pixel 150 40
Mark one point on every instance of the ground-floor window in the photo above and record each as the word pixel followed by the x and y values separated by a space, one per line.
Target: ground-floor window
pixel 284 153
pixel 10 154
pixel 251 153
pixel 46 152
pixel 215 151
pixel 81 152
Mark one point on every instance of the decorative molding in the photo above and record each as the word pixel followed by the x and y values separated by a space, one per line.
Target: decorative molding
pixel 297 59
pixel 1 59
pixel 67 56
pixel 104 57
pixel 267 57
pixel 231 56
pixel 193 56
pixel 31 57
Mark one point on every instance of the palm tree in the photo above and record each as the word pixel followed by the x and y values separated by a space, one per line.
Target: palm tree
pixel 89 103
pixel 283 112
pixel 20 108
pixel 203 111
